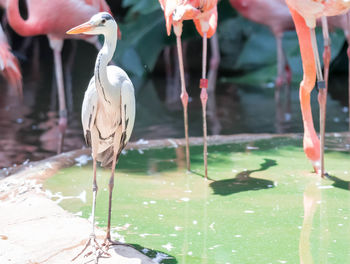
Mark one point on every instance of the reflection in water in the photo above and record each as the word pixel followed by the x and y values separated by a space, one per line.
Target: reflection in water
pixel 312 196
pixel 243 182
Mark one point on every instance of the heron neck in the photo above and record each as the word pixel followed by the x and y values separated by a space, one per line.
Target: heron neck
pixel 103 58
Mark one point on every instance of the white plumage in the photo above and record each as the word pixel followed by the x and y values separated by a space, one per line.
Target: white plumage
pixel 101 120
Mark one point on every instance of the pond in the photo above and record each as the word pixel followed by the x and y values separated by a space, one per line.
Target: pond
pixel 262 203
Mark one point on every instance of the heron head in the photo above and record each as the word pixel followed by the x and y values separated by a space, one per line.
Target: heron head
pixel 100 23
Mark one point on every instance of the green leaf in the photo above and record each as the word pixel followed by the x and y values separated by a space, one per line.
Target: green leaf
pixel 146 36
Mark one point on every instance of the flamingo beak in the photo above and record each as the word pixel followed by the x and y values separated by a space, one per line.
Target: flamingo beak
pixel 85 27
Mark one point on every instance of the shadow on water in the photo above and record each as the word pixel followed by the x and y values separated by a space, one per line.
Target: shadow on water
pixel 339 183
pixel 156 255
pixel 243 182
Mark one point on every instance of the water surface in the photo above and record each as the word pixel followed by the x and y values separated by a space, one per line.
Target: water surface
pixel 262 203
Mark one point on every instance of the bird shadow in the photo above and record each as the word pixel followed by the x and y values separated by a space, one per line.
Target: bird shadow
pixel 155 255
pixel 243 182
pixel 339 183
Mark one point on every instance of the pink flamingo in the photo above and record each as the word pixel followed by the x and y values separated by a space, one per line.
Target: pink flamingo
pixel 9 65
pixel 204 15
pixel 53 18
pixel 276 16
pixel 305 14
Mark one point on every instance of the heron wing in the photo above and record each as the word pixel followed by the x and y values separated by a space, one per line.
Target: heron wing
pixel 88 110
pixel 128 108
pixel 124 119
pixel 127 104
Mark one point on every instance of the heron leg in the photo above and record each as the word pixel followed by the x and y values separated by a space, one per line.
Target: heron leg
pixel 110 187
pixel 184 97
pixel 204 98
pixel 97 250
pixel 108 241
pixel 56 45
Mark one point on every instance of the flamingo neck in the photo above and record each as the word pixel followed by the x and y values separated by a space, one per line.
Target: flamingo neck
pixel 21 26
pixel 311 142
pixel 105 55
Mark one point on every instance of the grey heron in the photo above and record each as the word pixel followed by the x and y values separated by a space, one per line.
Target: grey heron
pixel 108 111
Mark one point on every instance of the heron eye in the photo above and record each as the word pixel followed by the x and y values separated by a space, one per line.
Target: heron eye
pixel 103 21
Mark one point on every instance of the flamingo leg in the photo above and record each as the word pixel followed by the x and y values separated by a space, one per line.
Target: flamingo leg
pixel 168 74
pixel 184 97
pixel 348 52
pixel 280 80
pixel 322 97
pixel 68 77
pixel 204 99
pixel 57 45
pixel 212 77
pixel 322 86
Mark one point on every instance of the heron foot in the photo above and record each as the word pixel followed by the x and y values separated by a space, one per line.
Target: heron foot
pixel 97 249
pixel 109 242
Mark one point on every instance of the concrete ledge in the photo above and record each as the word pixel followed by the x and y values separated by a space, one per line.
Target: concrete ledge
pixel 45 168
pixel 33 229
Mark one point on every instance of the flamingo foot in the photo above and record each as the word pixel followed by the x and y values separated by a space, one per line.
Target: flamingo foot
pixel 184 99
pixel 97 249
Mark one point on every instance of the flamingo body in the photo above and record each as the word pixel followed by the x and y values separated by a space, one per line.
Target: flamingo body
pixel 276 16
pixel 55 24
pixel 271 13
pixel 310 10
pixel 201 12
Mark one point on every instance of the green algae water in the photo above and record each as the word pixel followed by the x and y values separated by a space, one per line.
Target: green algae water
pixel 262 203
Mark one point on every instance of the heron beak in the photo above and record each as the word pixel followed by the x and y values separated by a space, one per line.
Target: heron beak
pixel 81 28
